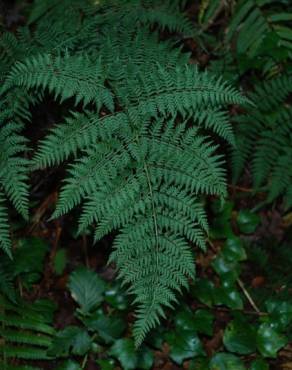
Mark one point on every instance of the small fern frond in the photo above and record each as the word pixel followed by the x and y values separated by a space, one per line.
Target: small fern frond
pixel 5 243
pixel 65 77
pixel 264 139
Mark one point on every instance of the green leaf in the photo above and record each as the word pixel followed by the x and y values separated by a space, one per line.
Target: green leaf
pixel 259 364
pixel 229 297
pixel 280 313
pixel 240 337
pixel 69 365
pixel 29 260
pixel 223 266
pixel 226 361
pixel 184 345
pixel 60 261
pixel 86 288
pixel 145 358
pixel 221 225
pixel 203 290
pixel 233 250
pixel 109 327
pixel 200 321
pixel 116 296
pixel 269 341
pixel 224 209
pixel 199 363
pixel 129 357
pixel 71 338
pixel 106 364
pixel 156 338
pixel 247 221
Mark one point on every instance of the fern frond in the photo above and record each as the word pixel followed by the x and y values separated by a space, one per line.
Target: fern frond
pixel 25 353
pixel 256 24
pixel 5 243
pixel 16 336
pixel 65 76
pixel 264 139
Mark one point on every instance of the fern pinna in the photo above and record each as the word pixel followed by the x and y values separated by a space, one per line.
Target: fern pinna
pixel 264 139
pixel 141 150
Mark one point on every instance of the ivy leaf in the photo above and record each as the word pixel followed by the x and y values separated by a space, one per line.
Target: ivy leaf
pixel 281 313
pixel 124 351
pixel 200 321
pixel 86 289
pixel 233 250
pixel 116 297
pixel 69 365
pixel 108 328
pixel 229 297
pixel 240 337
pixel 259 364
pixel 224 267
pixel 145 359
pixel 156 338
pixel 247 221
pixel 199 363
pixel 184 345
pixel 71 338
pixel 221 226
pixel 204 290
pixel 269 341
pixel 106 364
pixel 226 361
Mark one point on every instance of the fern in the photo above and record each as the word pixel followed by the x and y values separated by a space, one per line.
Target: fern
pixel 13 165
pixel 142 174
pixel 264 139
pixel 139 140
pixel 25 333
pixel 261 29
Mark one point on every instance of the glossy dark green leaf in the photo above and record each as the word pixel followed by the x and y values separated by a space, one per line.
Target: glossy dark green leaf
pixel 228 296
pixel 226 361
pixel 199 363
pixel 269 341
pixel 145 358
pixel 156 338
pixel 280 313
pixel 225 268
pixel 203 290
pixel 108 327
pixel 200 321
pixel 259 364
pixel 124 351
pixel 221 226
pixel 69 365
pixel 130 358
pixel 86 288
pixel 233 250
pixel 247 221
pixel 184 345
pixel 106 364
pixel 72 338
pixel 116 296
pixel 240 337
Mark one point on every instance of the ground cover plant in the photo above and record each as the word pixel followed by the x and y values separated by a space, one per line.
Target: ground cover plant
pixel 145 185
